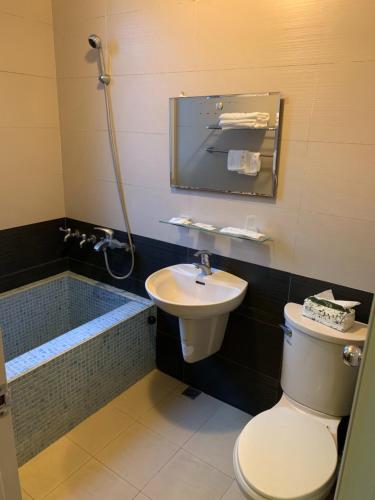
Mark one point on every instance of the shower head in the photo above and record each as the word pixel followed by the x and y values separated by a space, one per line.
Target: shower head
pixel 96 43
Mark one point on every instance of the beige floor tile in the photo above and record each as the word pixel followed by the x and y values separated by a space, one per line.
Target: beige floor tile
pixel 51 467
pixel 186 477
pixel 178 418
pixel 101 428
pixel 146 393
pixel 137 455
pixel 141 496
pixel 214 442
pixel 93 482
pixel 234 493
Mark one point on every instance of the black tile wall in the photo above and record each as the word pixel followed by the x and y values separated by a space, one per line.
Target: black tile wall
pixel 246 371
pixel 31 252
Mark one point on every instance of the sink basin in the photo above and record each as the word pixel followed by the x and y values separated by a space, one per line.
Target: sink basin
pixel 202 304
pixel 183 291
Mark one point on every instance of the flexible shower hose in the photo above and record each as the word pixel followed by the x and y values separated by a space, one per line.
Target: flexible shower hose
pixel 118 175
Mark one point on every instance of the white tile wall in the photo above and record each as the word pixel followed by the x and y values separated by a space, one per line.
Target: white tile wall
pixel 321 56
pixel 31 188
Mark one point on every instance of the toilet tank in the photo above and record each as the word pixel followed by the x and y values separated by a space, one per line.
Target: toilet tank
pixel 313 371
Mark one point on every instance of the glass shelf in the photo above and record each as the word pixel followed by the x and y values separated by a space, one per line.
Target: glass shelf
pixel 216 231
pixel 217 127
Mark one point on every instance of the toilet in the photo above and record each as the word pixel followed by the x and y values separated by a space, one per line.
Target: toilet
pixel 290 451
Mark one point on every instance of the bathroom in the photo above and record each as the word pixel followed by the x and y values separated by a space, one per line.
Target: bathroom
pixel 106 389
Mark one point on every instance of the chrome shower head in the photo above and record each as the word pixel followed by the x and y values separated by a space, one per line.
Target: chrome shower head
pixel 96 43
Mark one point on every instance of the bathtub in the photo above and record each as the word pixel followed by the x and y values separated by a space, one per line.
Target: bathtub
pixel 71 345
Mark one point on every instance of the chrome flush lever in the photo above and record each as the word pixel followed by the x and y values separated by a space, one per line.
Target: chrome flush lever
pixel 352 355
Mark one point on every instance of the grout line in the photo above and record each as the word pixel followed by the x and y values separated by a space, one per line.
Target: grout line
pixel 20 73
pixel 208 463
pixel 86 461
pixel 25 269
pixel 26 18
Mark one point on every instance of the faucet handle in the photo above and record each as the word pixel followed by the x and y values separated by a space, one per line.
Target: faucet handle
pixel 108 233
pixel 202 252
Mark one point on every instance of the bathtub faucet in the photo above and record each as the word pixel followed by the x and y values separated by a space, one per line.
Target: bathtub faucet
pixel 108 241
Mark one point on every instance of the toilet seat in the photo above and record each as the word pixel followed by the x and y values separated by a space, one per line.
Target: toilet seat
pixel 284 455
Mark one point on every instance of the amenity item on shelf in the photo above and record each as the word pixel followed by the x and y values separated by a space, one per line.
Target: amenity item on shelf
pixel 202 225
pixel 243 162
pixel 323 308
pixel 243 120
pixel 180 220
pixel 237 231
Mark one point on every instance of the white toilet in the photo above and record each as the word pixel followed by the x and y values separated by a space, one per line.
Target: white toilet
pixel 290 451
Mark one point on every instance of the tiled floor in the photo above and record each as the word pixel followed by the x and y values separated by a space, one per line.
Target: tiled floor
pixel 150 443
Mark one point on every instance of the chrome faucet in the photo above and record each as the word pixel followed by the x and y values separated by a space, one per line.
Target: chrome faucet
pixel 85 239
pixel 108 241
pixel 69 233
pixel 205 265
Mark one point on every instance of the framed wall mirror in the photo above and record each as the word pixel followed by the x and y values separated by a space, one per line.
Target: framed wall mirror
pixel 214 139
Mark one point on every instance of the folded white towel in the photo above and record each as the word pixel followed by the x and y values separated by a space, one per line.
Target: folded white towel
pixel 237 231
pixel 256 115
pixel 202 225
pixel 180 220
pixel 243 162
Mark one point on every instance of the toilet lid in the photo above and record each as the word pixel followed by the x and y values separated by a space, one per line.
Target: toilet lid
pixel 285 455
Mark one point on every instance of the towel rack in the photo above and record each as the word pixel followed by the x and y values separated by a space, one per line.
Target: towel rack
pixel 224 151
pixel 217 127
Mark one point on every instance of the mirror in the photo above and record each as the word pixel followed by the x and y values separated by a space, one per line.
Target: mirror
pixel 202 133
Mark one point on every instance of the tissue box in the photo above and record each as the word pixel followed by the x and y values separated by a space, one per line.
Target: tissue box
pixel 328 314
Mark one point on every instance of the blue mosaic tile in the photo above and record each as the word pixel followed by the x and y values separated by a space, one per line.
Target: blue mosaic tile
pixel 79 344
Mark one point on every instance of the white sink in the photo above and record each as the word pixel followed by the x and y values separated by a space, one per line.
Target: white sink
pixel 201 302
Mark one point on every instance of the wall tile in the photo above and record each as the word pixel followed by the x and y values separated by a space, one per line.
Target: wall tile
pixel 346 30
pixel 18 195
pixel 169 355
pixel 344 254
pixel 67 11
pixel 27 101
pixel 330 186
pixel 257 346
pixel 38 156
pixel 30 253
pixel 81 104
pixel 39 10
pixel 282 34
pixel 18 54
pixel 345 104
pixel 230 382
pixel 153 37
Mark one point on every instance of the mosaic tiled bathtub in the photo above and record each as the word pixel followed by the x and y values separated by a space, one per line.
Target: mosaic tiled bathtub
pixel 71 345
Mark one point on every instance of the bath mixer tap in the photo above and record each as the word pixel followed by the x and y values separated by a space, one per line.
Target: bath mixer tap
pixel 205 265
pixel 108 241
